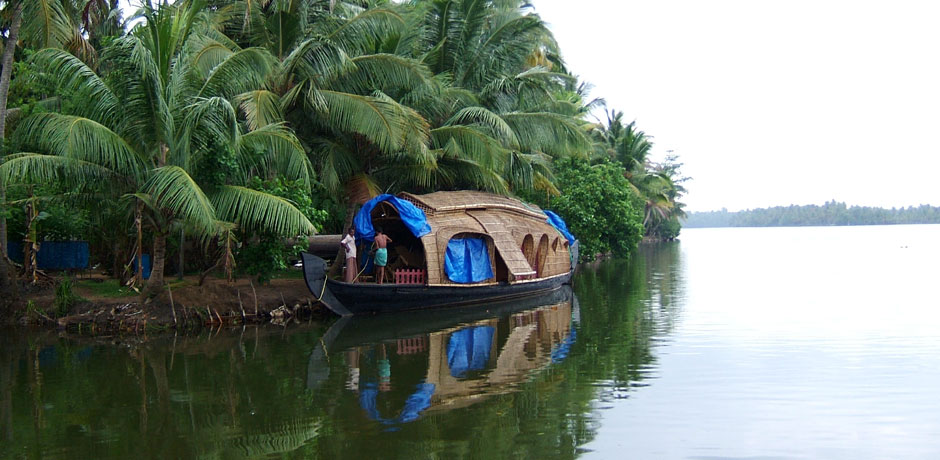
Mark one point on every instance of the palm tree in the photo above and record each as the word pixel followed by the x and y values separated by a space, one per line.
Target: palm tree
pixel 46 24
pixel 337 88
pixel 515 113
pixel 622 142
pixel 164 114
pixel 659 185
pixel 43 24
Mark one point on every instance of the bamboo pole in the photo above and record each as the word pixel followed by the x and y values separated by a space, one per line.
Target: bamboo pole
pixel 255 293
pixel 172 306
pixel 241 306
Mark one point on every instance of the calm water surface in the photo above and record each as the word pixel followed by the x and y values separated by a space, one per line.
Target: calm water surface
pixel 733 343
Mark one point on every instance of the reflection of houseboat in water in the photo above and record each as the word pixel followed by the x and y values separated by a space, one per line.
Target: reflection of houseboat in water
pixel 450 248
pixel 403 366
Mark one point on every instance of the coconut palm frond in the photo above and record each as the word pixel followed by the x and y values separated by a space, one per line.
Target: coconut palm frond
pixel 336 162
pixel 48 24
pixel 363 31
pixel 469 174
pixel 317 61
pixel 415 131
pixel 500 129
pixel 507 45
pixel 81 139
pixel 473 143
pixel 146 116
pixel 379 120
pixel 208 122
pixel 79 46
pixel 274 148
pixel 412 171
pixel 256 210
pixel 386 73
pixel 207 55
pixel 545 185
pixel 35 168
pixel 174 189
pixel 243 71
pixel 260 107
pixel 74 77
pixel 548 132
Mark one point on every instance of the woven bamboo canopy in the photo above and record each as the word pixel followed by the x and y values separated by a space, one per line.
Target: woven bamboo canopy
pixel 522 245
pixel 439 202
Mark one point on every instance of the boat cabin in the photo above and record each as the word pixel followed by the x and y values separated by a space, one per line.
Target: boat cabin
pixel 469 239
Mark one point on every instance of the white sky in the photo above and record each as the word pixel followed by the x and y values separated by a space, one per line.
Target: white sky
pixel 771 103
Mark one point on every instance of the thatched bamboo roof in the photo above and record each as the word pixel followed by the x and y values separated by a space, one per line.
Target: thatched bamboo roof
pixel 438 202
pixel 519 237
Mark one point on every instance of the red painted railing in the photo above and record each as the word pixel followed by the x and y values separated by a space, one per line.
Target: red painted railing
pixel 409 276
pixel 412 346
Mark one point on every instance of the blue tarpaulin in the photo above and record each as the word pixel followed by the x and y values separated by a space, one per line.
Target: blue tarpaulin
pixel 561 351
pixel 467 260
pixel 146 265
pixel 556 221
pixel 54 255
pixel 412 217
pixel 414 405
pixel 469 349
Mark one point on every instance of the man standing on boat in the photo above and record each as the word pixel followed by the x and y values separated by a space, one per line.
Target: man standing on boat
pixel 381 254
pixel 349 245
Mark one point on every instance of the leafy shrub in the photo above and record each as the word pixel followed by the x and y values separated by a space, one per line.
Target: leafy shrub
pixel 265 254
pixel 65 299
pixel 600 207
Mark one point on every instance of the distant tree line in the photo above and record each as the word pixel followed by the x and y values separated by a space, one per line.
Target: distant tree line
pixel 831 213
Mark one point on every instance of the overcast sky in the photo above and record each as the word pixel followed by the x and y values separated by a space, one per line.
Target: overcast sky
pixel 771 103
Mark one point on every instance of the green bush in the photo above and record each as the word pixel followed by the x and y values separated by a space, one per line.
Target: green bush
pixel 668 230
pixel 601 208
pixel 264 254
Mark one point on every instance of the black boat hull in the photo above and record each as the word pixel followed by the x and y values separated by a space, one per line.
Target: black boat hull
pixel 361 298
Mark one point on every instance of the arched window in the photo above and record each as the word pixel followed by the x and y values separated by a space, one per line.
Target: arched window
pixel 541 256
pixel 528 250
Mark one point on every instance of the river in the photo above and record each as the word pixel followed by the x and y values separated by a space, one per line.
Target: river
pixel 770 343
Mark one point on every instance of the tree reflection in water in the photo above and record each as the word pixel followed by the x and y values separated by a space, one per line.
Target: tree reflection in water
pixel 510 382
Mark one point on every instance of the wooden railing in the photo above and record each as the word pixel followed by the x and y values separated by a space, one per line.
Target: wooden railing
pixel 410 276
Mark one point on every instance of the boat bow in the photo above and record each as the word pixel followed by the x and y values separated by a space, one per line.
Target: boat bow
pixel 315 270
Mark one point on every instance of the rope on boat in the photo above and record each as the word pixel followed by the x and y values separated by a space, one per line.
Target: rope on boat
pixel 322 290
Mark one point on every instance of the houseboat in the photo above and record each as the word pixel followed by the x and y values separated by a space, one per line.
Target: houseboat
pixel 449 249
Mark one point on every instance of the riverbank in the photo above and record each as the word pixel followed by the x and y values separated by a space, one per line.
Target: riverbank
pixel 100 305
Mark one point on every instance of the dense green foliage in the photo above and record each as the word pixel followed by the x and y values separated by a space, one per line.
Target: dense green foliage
pixel 266 252
pixel 659 184
pixel 600 207
pixel 831 213
pixel 244 123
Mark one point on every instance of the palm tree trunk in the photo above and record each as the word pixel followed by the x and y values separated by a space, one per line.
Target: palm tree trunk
pixel 182 253
pixel 117 264
pixel 138 223
pixel 7 285
pixel 155 283
pixel 3 222
pixel 6 73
